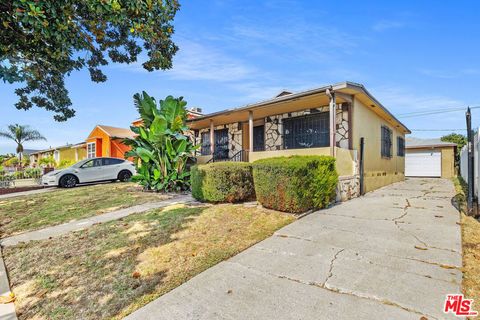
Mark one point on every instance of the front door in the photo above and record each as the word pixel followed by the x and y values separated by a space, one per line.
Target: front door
pixel 221 144
pixel 259 138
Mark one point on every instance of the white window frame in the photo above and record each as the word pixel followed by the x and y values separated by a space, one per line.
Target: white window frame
pixel 56 156
pixel 91 150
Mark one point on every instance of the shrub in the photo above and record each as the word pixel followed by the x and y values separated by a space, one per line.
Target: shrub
pixel 223 182
pixel 65 164
pixel 295 184
pixel 33 172
pixel 161 147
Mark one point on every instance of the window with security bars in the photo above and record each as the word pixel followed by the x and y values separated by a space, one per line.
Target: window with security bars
pixel 400 147
pixel 309 131
pixel 205 148
pixel 386 142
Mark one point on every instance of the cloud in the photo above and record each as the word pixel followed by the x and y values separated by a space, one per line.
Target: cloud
pixel 303 38
pixel 198 61
pixel 402 100
pixel 444 74
pixel 384 25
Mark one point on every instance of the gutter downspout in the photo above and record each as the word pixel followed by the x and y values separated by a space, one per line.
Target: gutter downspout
pixel 333 119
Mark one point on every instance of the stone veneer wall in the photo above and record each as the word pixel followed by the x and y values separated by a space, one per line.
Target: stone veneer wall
pixel 274 126
pixel 234 137
pixel 348 187
pixel 274 129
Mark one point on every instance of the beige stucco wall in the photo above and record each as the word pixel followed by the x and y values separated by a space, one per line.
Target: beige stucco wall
pixel 448 162
pixel 203 159
pixel 378 171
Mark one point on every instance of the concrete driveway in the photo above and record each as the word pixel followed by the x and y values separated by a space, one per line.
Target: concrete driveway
pixel 392 254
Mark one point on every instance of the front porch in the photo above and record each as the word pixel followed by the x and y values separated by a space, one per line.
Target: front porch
pixel 299 132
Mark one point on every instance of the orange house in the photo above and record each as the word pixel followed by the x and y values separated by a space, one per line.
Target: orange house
pixel 106 141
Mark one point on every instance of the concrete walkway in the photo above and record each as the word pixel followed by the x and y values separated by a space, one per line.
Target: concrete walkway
pixel 392 254
pixel 76 225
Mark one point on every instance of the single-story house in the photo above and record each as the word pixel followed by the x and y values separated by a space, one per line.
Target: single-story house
pixel 330 120
pixel 429 158
pixel 69 152
pixel 107 141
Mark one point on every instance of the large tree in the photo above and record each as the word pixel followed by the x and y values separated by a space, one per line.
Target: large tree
pixel 21 134
pixel 42 41
pixel 457 138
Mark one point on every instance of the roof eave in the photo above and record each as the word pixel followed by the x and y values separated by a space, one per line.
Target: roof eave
pixel 338 86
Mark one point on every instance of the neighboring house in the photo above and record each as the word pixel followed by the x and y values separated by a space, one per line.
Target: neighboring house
pixel 69 152
pixel 106 141
pixel 27 152
pixel 429 158
pixel 330 120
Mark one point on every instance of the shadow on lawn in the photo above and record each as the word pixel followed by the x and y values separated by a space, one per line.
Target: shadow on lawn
pixel 101 272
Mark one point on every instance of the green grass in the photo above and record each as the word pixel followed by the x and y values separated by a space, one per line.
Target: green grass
pixel 112 269
pixel 27 213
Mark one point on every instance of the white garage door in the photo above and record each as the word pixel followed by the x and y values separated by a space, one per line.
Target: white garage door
pixel 423 163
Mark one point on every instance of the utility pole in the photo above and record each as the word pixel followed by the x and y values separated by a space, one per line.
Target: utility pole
pixel 470 164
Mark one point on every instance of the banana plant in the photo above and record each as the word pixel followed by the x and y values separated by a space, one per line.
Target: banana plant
pixel 161 148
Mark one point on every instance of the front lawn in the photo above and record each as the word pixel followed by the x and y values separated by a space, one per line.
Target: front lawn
pixel 112 269
pixel 26 213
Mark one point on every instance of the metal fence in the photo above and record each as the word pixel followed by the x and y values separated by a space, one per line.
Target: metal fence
pixel 10 177
pixel 476 162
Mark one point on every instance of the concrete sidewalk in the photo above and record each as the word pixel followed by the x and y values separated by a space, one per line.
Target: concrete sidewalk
pixel 26 193
pixel 392 254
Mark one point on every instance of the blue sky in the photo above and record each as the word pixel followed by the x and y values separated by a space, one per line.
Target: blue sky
pixel 411 55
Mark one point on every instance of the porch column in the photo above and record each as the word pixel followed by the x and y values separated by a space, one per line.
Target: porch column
pixel 333 120
pixel 212 137
pixel 250 131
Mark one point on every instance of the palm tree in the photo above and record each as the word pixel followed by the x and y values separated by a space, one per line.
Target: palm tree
pixel 21 134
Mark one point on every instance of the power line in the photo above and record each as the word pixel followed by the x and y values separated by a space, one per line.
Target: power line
pixel 438 129
pixel 432 112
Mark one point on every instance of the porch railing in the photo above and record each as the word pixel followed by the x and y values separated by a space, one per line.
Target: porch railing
pixel 240 156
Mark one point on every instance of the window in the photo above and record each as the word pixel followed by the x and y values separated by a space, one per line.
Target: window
pixel 205 148
pixel 111 161
pixel 308 131
pixel 92 163
pixel 400 147
pixel 386 142
pixel 91 150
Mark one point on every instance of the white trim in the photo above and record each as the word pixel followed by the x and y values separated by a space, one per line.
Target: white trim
pixel 91 150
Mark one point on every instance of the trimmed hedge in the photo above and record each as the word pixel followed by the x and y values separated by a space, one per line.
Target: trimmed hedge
pixel 223 182
pixel 295 184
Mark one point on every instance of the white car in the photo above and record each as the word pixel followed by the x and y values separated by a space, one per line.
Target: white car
pixel 90 170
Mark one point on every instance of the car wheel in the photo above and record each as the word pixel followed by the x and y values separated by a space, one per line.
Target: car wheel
pixel 68 181
pixel 124 176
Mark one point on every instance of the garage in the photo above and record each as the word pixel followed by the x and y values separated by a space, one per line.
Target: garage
pixel 429 158
pixel 419 163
